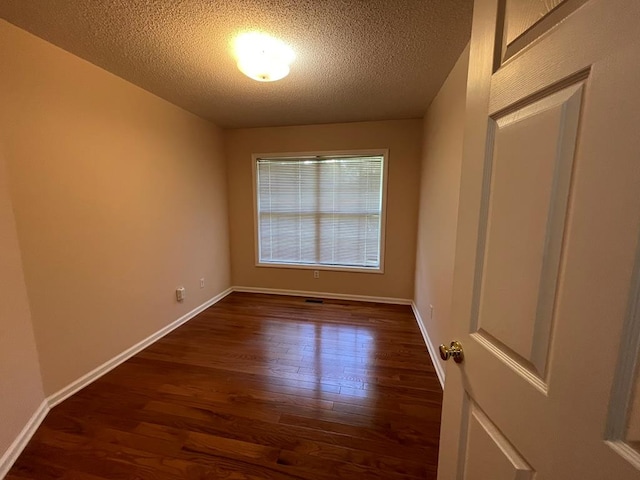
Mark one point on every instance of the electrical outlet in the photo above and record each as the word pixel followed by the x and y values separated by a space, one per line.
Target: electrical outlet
pixel 180 294
pixel 316 274
pixel 430 311
pixel 202 282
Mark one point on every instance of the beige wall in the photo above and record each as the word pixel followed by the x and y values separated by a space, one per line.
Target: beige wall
pixel 119 197
pixel 439 189
pixel 20 383
pixel 401 137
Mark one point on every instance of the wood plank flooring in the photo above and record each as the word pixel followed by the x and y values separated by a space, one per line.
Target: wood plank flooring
pixel 256 387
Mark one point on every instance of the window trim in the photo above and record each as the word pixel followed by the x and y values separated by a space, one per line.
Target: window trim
pixel 383 152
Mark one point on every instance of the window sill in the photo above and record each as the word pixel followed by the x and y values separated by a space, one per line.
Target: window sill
pixel 331 268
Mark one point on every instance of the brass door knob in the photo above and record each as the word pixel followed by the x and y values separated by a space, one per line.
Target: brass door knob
pixel 454 350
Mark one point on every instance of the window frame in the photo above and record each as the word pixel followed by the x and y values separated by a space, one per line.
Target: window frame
pixel 384 153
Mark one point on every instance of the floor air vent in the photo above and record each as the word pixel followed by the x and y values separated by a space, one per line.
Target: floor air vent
pixel 314 300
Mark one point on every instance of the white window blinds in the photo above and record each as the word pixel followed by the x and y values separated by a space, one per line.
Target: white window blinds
pixel 320 210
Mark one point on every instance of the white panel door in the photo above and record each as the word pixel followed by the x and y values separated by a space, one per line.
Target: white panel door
pixel 546 286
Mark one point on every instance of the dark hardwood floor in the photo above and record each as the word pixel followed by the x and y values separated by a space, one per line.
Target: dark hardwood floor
pixel 256 387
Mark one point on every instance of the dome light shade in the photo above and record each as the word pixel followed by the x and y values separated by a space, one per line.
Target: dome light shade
pixel 262 57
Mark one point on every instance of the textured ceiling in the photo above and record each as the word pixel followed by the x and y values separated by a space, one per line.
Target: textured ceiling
pixel 356 59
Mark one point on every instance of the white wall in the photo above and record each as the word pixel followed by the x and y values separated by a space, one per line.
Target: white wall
pixel 401 137
pixel 20 383
pixel 119 197
pixel 439 189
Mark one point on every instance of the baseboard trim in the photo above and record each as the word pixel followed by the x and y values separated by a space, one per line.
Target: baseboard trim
pixel 433 353
pixel 15 449
pixel 109 365
pixel 333 296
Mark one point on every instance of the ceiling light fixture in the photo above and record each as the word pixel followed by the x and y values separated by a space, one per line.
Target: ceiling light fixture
pixel 262 57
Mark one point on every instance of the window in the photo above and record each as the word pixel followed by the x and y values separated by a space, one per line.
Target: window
pixel 321 211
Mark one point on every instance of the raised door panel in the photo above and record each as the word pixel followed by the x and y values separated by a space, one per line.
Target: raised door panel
pixel 623 432
pixel 523 21
pixel 528 173
pixel 489 454
pixel 521 15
